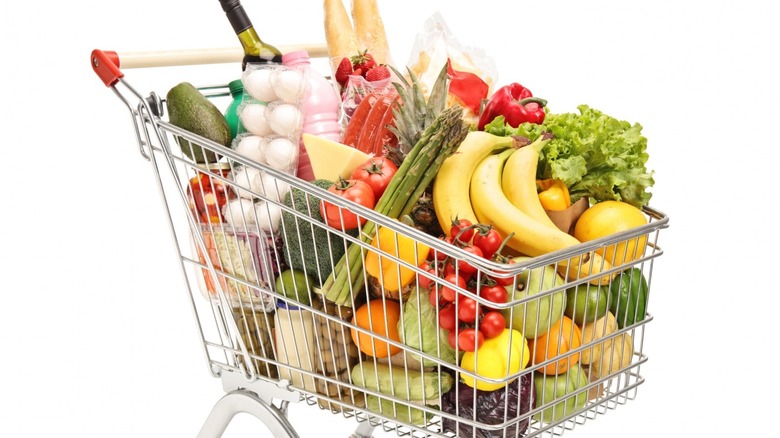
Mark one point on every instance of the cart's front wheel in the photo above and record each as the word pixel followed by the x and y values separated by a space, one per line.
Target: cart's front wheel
pixel 245 401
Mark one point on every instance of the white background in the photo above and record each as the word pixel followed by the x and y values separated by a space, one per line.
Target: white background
pixel 97 336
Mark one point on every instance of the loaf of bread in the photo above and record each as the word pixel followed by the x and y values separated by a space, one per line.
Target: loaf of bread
pixel 339 33
pixel 370 30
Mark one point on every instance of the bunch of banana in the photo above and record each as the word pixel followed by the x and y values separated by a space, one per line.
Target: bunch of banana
pixel 490 180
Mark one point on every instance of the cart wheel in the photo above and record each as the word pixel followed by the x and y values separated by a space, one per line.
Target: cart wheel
pixel 242 400
pixel 364 430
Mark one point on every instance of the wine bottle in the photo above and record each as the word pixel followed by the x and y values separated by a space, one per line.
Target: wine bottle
pixel 255 50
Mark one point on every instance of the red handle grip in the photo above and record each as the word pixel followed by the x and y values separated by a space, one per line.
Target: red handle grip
pixel 106 66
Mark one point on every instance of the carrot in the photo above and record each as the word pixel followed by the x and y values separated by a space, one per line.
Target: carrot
pixel 373 124
pixel 358 119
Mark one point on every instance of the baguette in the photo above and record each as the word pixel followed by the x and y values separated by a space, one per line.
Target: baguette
pixel 339 34
pixel 370 30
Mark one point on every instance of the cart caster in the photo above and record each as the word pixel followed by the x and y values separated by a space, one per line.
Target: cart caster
pixel 364 430
pixel 241 400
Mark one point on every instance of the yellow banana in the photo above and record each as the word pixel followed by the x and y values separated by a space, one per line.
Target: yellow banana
pixel 529 237
pixel 451 186
pixel 518 181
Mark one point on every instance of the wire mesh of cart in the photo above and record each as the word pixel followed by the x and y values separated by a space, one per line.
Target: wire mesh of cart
pixel 573 349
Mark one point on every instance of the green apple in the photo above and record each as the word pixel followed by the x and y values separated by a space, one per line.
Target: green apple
pixel 586 303
pixel 535 317
pixel 552 390
pixel 295 285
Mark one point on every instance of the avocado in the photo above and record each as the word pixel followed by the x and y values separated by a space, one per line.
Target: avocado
pixel 189 109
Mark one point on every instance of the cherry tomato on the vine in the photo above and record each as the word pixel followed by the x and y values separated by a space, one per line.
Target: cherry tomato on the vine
pixel 495 293
pixel 438 255
pixel 423 281
pixel 505 281
pixel 452 339
pixel 449 269
pixel 470 339
pixel 489 242
pixel 435 298
pixel 468 309
pixel 492 324
pixel 448 293
pixel 466 267
pixel 448 320
pixel 462 230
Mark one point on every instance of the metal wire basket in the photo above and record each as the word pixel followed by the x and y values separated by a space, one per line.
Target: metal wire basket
pixel 270 349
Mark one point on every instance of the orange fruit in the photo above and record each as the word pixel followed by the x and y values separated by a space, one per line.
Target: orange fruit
pixel 609 217
pixel 379 317
pixel 562 337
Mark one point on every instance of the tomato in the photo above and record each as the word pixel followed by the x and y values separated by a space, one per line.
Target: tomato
pixel 452 339
pixel 448 293
pixel 495 293
pixel 468 309
pixel 377 173
pixel 504 281
pixel 447 318
pixel 438 255
pixel 462 230
pixel 466 267
pixel 470 339
pixel 352 190
pixel 424 281
pixel 489 242
pixel 492 324
pixel 435 298
pixel 449 269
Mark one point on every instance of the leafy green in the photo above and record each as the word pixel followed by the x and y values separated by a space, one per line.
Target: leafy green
pixel 419 328
pixel 594 154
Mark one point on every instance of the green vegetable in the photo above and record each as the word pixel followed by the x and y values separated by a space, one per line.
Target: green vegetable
pixel 400 412
pixel 594 154
pixel 416 387
pixel 418 328
pixel 628 297
pixel 190 110
pixel 417 171
pixel 310 247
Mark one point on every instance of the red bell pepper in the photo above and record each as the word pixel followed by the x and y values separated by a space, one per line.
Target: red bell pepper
pixel 468 87
pixel 516 104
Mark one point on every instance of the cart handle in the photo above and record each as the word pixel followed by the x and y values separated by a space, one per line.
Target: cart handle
pixel 106 63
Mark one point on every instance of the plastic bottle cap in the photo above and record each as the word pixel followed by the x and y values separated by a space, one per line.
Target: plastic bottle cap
pixel 236 86
pixel 296 57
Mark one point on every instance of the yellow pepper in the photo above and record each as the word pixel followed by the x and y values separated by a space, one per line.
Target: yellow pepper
pixel 497 358
pixel 554 194
pixel 392 275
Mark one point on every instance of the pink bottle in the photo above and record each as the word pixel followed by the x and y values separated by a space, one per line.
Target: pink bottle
pixel 320 109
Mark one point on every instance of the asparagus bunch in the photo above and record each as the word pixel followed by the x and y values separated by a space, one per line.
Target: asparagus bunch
pixel 417 171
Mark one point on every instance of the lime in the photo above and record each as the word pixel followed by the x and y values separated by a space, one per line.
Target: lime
pixel 295 285
pixel 586 303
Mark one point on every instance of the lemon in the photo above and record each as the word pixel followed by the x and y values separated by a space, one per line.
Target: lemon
pixel 610 217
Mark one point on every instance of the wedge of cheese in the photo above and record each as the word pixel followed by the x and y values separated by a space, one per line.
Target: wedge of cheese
pixel 331 160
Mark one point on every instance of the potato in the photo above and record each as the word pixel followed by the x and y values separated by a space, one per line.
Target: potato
pixel 615 357
pixel 606 325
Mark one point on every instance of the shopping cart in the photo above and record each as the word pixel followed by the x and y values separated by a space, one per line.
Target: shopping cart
pixel 270 350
